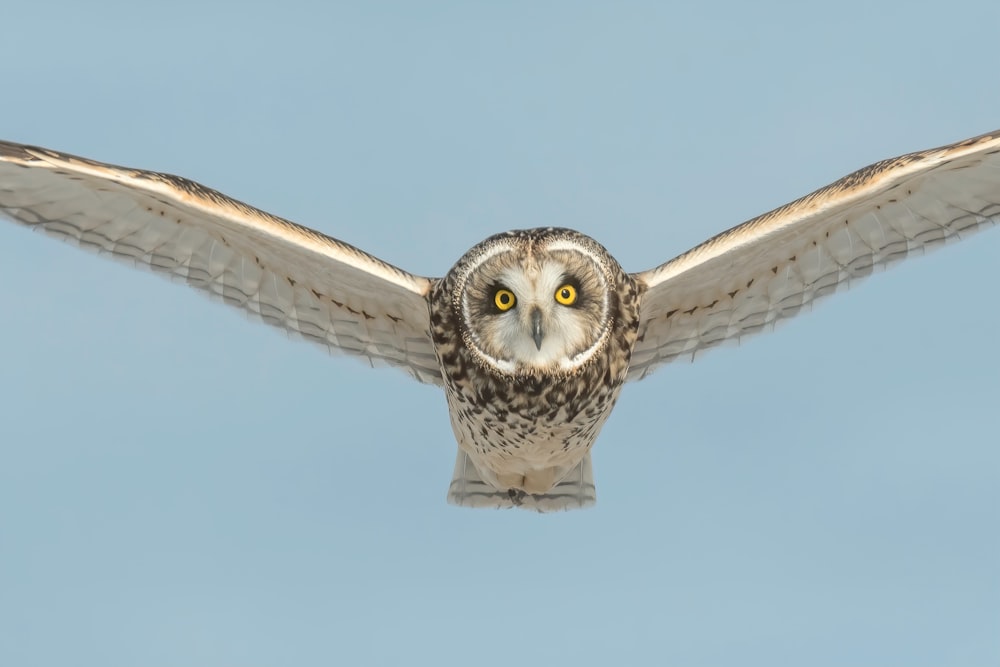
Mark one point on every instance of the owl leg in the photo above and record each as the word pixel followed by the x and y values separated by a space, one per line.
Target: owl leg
pixel 541 481
pixel 468 489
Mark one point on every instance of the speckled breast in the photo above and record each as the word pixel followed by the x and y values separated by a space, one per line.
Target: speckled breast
pixel 519 423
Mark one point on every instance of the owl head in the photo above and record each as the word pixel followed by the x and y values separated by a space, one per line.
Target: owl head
pixel 535 301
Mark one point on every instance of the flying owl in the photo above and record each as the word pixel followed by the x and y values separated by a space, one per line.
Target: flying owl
pixel 532 333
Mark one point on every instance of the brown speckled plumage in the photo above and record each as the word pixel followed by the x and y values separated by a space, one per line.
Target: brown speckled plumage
pixel 501 420
pixel 528 385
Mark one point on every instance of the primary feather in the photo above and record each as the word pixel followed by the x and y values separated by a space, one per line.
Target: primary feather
pixel 287 275
pixel 747 278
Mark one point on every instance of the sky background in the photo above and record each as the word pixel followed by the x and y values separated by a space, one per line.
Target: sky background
pixel 181 487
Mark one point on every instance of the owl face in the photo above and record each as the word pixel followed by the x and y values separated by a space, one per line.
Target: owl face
pixel 535 301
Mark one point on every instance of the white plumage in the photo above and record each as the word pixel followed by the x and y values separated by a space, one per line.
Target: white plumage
pixel 285 274
pixel 768 268
pixel 740 282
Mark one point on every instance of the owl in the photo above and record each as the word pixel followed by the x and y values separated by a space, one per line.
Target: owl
pixel 532 333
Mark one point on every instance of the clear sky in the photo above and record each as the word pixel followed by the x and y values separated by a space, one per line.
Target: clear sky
pixel 181 487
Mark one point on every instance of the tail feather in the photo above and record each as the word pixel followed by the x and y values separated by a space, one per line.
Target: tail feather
pixel 574 491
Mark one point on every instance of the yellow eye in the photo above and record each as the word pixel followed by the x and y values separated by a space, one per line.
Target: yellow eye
pixel 504 299
pixel 566 295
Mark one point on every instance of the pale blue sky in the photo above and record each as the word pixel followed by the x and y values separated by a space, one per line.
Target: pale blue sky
pixel 181 487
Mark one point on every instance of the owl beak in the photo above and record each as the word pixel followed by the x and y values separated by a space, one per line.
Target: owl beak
pixel 536 327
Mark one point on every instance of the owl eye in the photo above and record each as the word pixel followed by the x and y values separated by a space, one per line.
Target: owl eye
pixel 504 299
pixel 566 295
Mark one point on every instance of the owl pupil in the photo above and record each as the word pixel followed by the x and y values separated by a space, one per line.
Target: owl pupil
pixel 564 294
pixel 505 299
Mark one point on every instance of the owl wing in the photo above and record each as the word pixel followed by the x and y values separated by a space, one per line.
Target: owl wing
pixel 749 277
pixel 282 273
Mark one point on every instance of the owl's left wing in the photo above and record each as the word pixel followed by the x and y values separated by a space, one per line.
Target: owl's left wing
pixel 284 274
pixel 749 277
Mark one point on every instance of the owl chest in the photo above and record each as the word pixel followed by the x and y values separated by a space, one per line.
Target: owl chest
pixel 529 424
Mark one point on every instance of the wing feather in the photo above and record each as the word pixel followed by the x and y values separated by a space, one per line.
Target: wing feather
pixel 747 278
pixel 285 274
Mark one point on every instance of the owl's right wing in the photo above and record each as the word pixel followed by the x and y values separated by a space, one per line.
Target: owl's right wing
pixel 767 269
pixel 282 273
